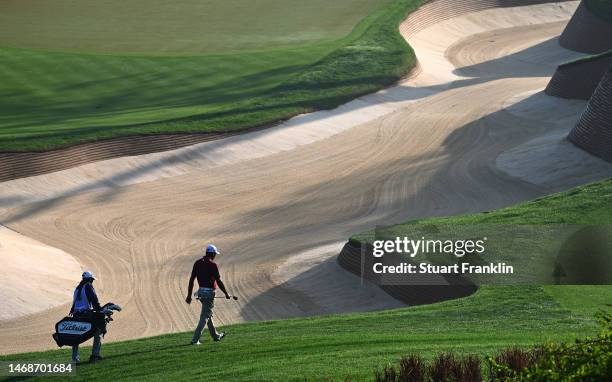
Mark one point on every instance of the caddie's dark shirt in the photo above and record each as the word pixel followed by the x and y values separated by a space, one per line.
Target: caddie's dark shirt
pixel 206 272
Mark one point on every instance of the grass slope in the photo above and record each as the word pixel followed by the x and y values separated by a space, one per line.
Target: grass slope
pixel 590 204
pixel 355 344
pixel 345 345
pixel 529 236
pixel 53 99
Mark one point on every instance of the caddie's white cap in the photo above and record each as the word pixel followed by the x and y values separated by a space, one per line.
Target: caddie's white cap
pixel 88 275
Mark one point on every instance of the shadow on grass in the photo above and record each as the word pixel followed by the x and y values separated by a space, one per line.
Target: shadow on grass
pixel 134 93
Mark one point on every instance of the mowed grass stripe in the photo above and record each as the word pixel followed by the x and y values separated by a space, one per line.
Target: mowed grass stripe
pixel 98 87
pixel 62 99
pixel 45 76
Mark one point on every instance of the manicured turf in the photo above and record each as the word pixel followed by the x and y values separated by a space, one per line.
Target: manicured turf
pixel 354 345
pixel 54 99
pixel 158 27
pixel 602 8
pixel 346 345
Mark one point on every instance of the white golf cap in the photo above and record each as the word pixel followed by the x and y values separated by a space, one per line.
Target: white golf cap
pixel 212 249
pixel 88 275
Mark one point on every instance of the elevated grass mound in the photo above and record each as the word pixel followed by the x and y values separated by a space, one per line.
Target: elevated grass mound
pixel 593 131
pixel 587 72
pixel 579 78
pixel 590 29
pixel 354 345
pixel 590 204
pixel 531 249
pixel 601 8
pixel 56 99
pixel 589 58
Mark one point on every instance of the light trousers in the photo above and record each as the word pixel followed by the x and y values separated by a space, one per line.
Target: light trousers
pixel 207 298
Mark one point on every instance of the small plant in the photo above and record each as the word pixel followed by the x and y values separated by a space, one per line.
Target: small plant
pixel 412 369
pixel 585 360
pixel 445 368
pixel 388 374
pixel 449 368
pixel 472 371
pixel 510 362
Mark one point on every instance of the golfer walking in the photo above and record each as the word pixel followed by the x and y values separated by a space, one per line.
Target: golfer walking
pixel 207 273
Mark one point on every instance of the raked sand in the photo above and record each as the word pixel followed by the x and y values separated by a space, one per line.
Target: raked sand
pixel 276 199
pixel 34 277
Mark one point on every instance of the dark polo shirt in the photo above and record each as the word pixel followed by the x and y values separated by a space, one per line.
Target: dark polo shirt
pixel 207 273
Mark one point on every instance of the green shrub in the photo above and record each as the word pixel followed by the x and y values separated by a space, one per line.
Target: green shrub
pixel 586 360
pixel 511 361
pixel 446 367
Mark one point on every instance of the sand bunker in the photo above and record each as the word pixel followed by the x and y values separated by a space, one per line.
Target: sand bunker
pixel 437 75
pixel 34 276
pixel 426 147
pixel 316 269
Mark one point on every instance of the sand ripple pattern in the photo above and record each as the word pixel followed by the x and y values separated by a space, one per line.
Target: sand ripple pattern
pixel 425 147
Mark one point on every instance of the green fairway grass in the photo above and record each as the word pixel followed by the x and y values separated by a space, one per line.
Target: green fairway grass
pixel 355 344
pixel 345 345
pixel 157 27
pixel 602 8
pixel 54 98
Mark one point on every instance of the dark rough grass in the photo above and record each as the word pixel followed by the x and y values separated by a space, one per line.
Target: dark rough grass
pixel 53 100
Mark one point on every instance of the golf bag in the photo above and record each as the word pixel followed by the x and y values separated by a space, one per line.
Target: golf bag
pixel 74 330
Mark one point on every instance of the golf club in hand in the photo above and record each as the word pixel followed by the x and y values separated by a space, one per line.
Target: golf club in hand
pixel 235 298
